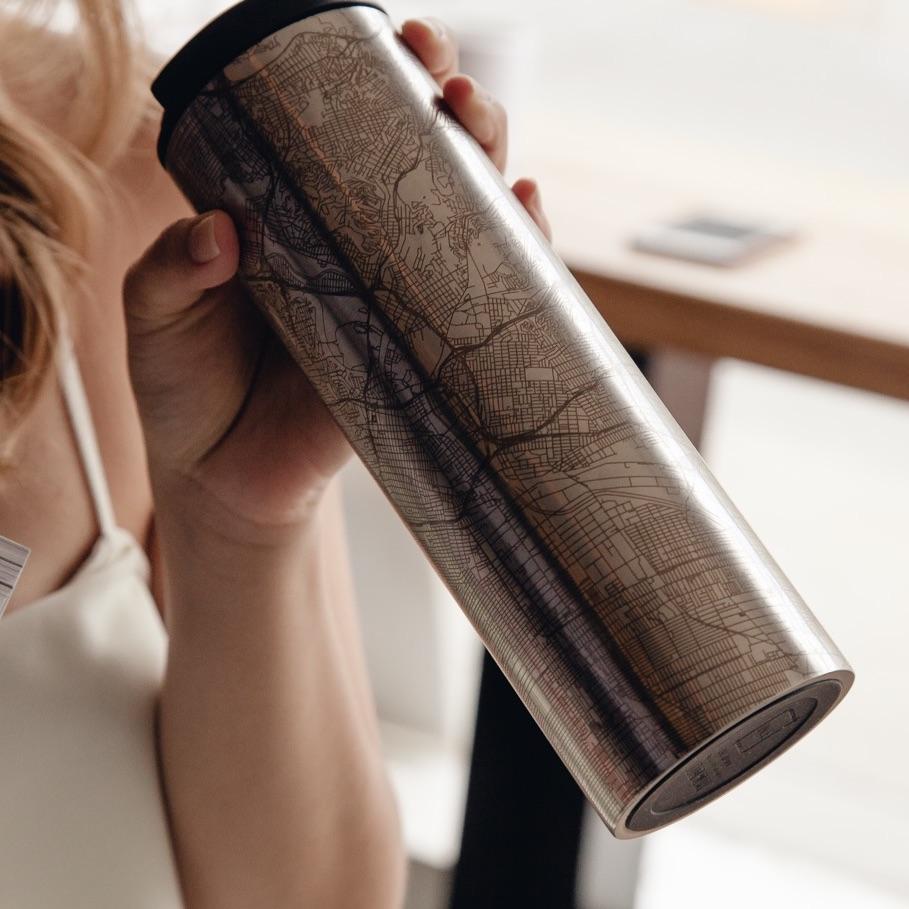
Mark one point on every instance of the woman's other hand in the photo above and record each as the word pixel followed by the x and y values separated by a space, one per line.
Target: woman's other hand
pixel 481 114
pixel 236 435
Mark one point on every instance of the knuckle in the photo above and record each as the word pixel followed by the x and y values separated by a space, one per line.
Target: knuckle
pixel 132 282
pixel 166 247
pixel 139 277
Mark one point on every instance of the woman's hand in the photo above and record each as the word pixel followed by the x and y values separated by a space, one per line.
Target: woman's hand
pixel 236 435
pixel 478 111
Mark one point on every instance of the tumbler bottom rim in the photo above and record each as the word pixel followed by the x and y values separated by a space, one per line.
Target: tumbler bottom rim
pixel 733 755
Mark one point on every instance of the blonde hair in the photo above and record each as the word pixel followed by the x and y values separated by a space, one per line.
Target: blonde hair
pixel 89 84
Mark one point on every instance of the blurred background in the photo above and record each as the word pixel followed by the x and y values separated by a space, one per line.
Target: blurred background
pixel 790 369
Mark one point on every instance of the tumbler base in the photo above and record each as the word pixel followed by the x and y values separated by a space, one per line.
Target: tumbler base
pixel 732 756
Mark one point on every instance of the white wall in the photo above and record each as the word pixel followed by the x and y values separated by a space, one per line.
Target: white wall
pixel 830 88
pixel 825 81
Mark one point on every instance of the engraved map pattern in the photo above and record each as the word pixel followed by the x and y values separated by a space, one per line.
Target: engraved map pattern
pixel 625 598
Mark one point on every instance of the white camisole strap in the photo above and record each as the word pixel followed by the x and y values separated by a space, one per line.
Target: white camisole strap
pixel 70 379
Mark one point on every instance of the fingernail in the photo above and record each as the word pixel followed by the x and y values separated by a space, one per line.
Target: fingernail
pixel 435 26
pixel 203 246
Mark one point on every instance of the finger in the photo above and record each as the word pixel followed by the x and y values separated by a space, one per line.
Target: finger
pixel 481 114
pixel 190 257
pixel 528 193
pixel 434 43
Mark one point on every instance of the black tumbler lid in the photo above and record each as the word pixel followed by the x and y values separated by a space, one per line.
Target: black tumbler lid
pixel 221 41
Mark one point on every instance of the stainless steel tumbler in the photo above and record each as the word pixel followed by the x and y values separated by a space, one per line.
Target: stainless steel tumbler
pixel 648 632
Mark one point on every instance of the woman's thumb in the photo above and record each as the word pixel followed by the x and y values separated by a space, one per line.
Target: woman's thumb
pixel 190 257
pixel 187 343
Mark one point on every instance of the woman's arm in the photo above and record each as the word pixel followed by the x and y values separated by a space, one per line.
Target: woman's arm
pixel 270 752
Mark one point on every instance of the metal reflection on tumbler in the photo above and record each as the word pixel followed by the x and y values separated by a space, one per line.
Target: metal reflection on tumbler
pixel 648 632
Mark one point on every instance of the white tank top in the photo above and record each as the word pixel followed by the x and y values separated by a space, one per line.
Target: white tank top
pixel 82 818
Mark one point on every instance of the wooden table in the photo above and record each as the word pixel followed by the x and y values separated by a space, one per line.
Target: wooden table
pixel 833 304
